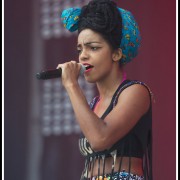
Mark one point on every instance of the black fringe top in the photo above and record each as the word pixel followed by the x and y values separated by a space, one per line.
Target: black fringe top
pixel 137 143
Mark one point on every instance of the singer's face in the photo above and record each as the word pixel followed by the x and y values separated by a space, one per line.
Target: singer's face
pixel 95 52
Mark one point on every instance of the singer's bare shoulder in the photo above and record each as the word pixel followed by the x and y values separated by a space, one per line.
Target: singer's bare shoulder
pixel 137 97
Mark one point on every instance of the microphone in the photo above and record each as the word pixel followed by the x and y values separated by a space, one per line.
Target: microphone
pixel 54 73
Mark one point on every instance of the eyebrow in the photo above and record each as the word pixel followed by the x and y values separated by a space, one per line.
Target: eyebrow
pixel 88 43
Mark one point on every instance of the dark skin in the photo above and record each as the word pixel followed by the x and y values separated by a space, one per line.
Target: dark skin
pixel 132 104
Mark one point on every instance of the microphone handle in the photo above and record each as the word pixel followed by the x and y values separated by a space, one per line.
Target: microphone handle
pixel 50 74
pixel 56 73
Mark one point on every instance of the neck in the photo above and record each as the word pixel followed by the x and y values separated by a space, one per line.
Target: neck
pixel 107 87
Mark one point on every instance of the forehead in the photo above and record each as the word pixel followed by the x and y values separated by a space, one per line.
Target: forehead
pixel 88 35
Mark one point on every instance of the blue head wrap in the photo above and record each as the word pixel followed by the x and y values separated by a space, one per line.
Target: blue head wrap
pixel 131 38
pixel 70 18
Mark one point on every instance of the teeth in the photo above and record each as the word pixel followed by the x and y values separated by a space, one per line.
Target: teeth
pixel 88 66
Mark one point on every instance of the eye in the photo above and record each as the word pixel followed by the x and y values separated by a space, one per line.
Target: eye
pixel 94 48
pixel 79 51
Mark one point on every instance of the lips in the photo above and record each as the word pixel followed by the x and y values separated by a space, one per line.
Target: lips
pixel 88 66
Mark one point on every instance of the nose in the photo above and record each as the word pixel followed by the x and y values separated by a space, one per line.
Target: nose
pixel 83 56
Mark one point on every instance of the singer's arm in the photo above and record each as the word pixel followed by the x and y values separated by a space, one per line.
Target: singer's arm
pixel 102 134
pixel 89 122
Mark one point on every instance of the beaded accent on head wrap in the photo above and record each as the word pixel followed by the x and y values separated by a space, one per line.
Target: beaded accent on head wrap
pixel 130 40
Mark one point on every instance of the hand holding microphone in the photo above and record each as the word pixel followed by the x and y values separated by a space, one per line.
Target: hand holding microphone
pixel 55 73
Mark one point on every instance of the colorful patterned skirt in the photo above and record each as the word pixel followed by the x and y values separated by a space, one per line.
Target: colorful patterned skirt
pixel 123 175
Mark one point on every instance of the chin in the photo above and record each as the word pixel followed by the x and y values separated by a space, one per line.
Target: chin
pixel 90 80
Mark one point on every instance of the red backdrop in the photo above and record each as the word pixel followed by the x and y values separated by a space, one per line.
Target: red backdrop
pixel 156 65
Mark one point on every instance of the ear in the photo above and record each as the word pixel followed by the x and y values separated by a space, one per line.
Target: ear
pixel 117 54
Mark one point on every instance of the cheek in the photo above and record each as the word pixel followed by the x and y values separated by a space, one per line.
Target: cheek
pixel 107 55
pixel 104 68
pixel 106 60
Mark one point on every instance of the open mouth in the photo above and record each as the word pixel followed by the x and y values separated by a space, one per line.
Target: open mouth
pixel 88 66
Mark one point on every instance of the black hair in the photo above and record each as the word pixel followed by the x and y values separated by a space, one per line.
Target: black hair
pixel 102 16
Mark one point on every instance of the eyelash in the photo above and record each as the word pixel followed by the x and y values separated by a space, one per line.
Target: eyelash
pixel 92 48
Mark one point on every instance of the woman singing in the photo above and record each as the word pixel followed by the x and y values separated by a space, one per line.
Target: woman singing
pixel 117 124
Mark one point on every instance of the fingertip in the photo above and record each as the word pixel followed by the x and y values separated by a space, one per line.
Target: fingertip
pixel 58 67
